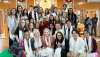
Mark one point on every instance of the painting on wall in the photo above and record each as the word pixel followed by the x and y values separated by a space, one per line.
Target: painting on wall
pixel 45 3
pixel 22 3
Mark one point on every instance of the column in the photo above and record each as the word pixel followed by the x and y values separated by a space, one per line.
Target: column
pixel 98 24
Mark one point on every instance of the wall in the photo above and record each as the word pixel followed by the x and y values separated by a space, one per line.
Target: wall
pixel 4 33
pixel 30 2
pixel 60 4
pixel 3 7
pixel 11 4
pixel 88 6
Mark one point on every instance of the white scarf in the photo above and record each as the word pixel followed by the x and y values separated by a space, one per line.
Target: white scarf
pixel 71 28
pixel 74 45
pixel 89 46
pixel 28 49
pixel 31 34
pixel 37 42
pixel 37 17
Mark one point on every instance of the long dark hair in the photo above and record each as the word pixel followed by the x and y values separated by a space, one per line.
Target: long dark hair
pixel 23 13
pixel 11 11
pixel 18 11
pixel 29 25
pixel 57 40
pixel 18 7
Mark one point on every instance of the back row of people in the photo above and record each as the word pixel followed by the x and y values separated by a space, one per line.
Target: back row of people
pixel 34 33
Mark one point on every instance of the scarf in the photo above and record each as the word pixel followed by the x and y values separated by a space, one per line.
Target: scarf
pixel 28 49
pixel 89 45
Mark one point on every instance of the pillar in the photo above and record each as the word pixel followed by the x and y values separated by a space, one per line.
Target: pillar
pixel 98 24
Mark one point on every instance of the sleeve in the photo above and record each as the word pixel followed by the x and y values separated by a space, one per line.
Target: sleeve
pixel 96 19
pixel 71 46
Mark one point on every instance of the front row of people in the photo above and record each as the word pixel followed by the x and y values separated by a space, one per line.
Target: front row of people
pixel 48 46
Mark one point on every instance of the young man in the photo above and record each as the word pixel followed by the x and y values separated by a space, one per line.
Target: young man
pixel 77 45
pixel 67 29
pixel 91 45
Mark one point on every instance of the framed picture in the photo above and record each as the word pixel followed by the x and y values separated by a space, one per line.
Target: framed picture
pixel 22 3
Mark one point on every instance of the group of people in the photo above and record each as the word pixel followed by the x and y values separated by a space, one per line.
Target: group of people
pixel 35 32
pixel 91 24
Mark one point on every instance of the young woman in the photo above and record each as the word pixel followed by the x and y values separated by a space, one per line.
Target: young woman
pixel 28 44
pixel 25 14
pixel 19 12
pixel 51 19
pixel 47 49
pixel 59 43
pixel 52 28
pixel 37 41
pixel 31 29
pixel 58 27
pixel 12 20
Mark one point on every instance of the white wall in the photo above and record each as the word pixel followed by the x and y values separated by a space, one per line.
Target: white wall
pixel 93 0
pixel 98 24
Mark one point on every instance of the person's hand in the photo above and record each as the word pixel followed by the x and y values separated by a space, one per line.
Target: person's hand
pixel 59 44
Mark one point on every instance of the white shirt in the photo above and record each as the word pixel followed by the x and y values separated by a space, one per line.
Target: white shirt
pixel 37 42
pixel 66 29
pixel 11 23
pixel 20 35
pixel 31 35
pixel 77 46
pixel 28 49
